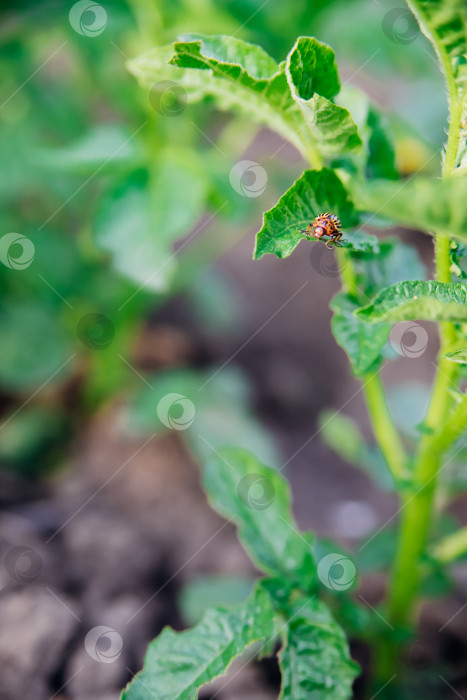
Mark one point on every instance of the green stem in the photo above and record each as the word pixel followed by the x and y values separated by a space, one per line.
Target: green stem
pixel 383 426
pixel 347 272
pixel 381 420
pixel 418 504
pixel 312 155
pixel 451 547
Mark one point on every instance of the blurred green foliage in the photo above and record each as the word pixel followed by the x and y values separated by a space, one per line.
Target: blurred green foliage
pixel 104 179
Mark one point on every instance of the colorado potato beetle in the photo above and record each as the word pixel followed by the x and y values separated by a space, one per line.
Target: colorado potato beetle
pixel 325 225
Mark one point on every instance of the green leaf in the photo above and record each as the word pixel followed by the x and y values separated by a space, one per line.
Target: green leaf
pixel 395 262
pixel 458 255
pixel 211 409
pixel 35 348
pixel 426 301
pixel 242 77
pixel 444 22
pixel 377 158
pixel 108 147
pixel 381 161
pixel 257 499
pixel 177 664
pixel 311 67
pixel 362 343
pixel 27 432
pixel 176 171
pixel 312 76
pixel 315 192
pixel 238 75
pixel 331 127
pixel 123 228
pixel 342 434
pixel 459 356
pixel 408 404
pixel 200 594
pixel 225 55
pixel 138 222
pixel 315 662
pixel 419 203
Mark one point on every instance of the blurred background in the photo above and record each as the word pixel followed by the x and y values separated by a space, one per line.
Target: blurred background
pixel 137 334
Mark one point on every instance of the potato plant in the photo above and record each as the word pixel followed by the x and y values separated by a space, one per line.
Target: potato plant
pixel 351 174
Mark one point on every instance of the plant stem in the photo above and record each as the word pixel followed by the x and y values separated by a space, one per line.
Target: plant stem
pixel 383 426
pixel 418 504
pixel 347 272
pixel 381 420
pixel 451 547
